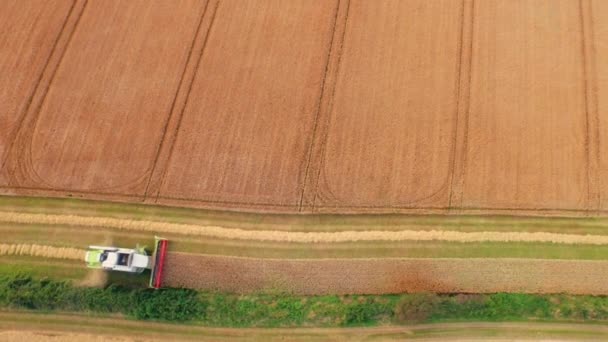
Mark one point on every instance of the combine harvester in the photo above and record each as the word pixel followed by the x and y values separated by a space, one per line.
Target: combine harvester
pixel 130 260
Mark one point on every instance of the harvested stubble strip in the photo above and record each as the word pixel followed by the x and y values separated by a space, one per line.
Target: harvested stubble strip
pixel 301 237
pixel 378 276
pixel 42 251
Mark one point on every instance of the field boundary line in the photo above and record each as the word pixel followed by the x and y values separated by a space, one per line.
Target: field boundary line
pixel 299 236
pixel 265 207
pixel 37 191
pixel 229 203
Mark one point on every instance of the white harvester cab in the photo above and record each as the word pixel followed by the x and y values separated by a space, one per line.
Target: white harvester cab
pixel 117 259
pixel 130 260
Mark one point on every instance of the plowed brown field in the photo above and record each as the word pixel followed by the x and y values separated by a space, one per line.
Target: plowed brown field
pixel 328 106
pixel 376 276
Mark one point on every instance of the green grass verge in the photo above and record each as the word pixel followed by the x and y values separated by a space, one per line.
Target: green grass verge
pixel 281 310
pixel 39 267
pixel 66 270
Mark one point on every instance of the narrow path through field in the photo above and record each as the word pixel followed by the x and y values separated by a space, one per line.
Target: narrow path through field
pixel 61 324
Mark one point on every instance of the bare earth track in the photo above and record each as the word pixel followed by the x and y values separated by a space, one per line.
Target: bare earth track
pixel 47 327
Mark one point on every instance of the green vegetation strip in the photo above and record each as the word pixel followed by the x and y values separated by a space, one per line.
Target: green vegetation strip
pixel 281 310
pixel 304 223
pixel 38 267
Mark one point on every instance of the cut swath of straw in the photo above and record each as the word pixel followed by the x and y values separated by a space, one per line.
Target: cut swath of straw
pixel 41 251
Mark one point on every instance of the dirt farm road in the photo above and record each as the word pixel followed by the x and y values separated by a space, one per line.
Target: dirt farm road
pixel 49 327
